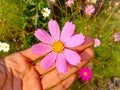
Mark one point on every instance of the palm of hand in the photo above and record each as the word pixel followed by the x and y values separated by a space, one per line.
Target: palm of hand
pixel 18 73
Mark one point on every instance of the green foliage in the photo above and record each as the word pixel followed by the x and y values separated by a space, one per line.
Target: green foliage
pixel 11 24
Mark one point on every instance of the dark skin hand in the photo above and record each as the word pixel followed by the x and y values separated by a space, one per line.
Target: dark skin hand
pixel 18 73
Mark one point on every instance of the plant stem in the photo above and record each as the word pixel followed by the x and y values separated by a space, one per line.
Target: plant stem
pixel 99 8
pixel 102 29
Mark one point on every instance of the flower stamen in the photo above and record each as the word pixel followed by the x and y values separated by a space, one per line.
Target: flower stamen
pixel 85 74
pixel 58 46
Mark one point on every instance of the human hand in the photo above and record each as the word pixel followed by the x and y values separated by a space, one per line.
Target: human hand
pixel 18 73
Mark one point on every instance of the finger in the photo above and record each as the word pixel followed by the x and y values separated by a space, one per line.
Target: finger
pixel 64 85
pixel 28 52
pixel 31 80
pixel 43 71
pixel 54 77
pixel 88 42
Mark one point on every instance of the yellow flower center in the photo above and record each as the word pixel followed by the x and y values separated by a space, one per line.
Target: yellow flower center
pixel 6 46
pixel 89 10
pixel 85 73
pixel 58 46
pixel 46 12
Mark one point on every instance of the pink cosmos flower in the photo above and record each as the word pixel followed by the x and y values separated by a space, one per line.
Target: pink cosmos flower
pixel 85 73
pixel 116 37
pixel 69 3
pixel 97 42
pixel 57 45
pixel 89 9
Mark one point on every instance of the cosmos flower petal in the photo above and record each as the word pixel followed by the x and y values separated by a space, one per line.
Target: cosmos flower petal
pixel 61 64
pixel 43 36
pixel 75 40
pixel 48 60
pixel 41 49
pixel 85 79
pixel 67 31
pixel 72 57
pixel 54 29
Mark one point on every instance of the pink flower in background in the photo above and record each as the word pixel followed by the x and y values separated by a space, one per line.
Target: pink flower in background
pixel 89 9
pixel 116 37
pixel 97 42
pixel 69 3
pixel 56 46
pixel 85 73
